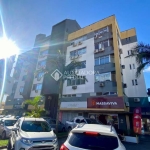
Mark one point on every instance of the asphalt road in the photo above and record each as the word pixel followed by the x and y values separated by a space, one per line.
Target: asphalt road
pixel 143 145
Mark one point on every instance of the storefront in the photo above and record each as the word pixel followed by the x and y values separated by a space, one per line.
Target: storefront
pixel 105 109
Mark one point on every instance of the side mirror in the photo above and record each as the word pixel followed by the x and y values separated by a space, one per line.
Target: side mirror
pixel 53 129
pixel 15 130
pixel 2 124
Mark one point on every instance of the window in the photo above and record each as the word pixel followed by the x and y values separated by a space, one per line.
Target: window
pixel 80 39
pixel 24 77
pixel 40 75
pixel 133 66
pixel 10 122
pixel 35 126
pixel 21 89
pixel 101 45
pixel 37 87
pixel 132 82
pixel 42 63
pixel 78 52
pixel 103 77
pixel 129 52
pixel 130 66
pixel 102 60
pixel 136 83
pixel 98 142
pixel 79 80
pixel 43 53
pixel 81 65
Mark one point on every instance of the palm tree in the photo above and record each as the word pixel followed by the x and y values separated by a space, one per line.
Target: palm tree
pixel 141 52
pixel 37 111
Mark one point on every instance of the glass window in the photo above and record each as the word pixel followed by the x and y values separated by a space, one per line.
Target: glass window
pixel 38 86
pixel 40 75
pixel 78 81
pixel 73 82
pixel 102 60
pixel 133 66
pixel 72 54
pixel 68 82
pixel 42 63
pixel 97 142
pixel 96 61
pixel 83 64
pixel 106 59
pixel 82 81
pixel 21 89
pixel 103 77
pixel 35 126
pixel 10 122
pixel 105 43
pixel 130 66
pixel 136 83
pixel 24 77
pixel 132 82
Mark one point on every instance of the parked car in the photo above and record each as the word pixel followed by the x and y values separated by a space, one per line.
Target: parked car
pixel 52 122
pixel 32 133
pixel 93 136
pixel 6 124
pixel 77 120
pixel 2 116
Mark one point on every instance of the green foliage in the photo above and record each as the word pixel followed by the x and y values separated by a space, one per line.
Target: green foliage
pixel 37 111
pixel 141 52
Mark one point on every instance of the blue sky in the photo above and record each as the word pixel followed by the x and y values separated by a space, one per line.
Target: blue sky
pixel 24 19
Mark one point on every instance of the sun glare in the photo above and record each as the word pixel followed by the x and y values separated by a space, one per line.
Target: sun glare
pixel 7 48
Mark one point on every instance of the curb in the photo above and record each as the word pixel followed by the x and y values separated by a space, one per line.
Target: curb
pixel 2 147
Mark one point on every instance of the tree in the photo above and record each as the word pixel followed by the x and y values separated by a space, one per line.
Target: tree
pixel 141 52
pixel 57 61
pixel 37 111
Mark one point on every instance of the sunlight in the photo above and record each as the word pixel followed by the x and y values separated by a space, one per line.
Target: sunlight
pixel 7 48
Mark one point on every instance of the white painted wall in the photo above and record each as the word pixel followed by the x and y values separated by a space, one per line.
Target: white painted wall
pixel 89 57
pixel 136 90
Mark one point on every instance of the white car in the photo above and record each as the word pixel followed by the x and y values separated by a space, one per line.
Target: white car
pixel 93 137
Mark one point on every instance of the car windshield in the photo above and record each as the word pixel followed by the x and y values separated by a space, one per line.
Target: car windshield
pixel 35 126
pixel 100 142
pixel 92 121
pixel 10 122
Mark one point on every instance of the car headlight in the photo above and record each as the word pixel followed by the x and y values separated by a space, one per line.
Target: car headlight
pixel 27 141
pixel 54 141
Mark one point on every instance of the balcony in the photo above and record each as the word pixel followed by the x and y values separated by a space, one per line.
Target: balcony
pixel 109 67
pixel 107 51
pixel 108 86
pixel 102 37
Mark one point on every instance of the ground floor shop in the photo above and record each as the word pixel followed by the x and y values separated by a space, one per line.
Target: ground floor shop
pixel 104 109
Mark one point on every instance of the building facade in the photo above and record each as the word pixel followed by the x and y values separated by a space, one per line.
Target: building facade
pixel 101 49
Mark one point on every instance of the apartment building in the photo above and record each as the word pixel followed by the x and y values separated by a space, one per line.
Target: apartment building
pixel 33 70
pixel 101 49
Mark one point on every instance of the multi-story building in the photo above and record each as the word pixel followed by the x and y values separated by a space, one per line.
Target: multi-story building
pixel 101 49
pixel 30 72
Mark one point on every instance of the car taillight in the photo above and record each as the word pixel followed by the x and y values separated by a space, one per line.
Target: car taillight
pixel 63 147
pixel 92 133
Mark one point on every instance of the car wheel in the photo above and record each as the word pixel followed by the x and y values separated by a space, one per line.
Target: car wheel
pixel 63 129
pixel 4 135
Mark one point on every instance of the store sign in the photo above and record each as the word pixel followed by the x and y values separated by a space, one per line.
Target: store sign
pixel 105 102
pixel 137 120
pixel 18 106
pixel 73 105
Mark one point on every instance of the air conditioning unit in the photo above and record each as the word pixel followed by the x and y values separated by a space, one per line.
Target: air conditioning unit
pixel 95 36
pixel 74 87
pixel 137 100
pixel 101 84
pixel 127 104
pixel 80 43
pixel 120 50
pixel 101 50
pixel 36 91
pixel 74 44
pixel 96 51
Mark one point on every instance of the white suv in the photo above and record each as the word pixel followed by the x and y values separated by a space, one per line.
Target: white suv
pixel 94 137
pixel 32 134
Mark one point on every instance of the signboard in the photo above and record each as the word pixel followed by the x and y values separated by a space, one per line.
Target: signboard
pixel 73 105
pixel 105 102
pixel 137 120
